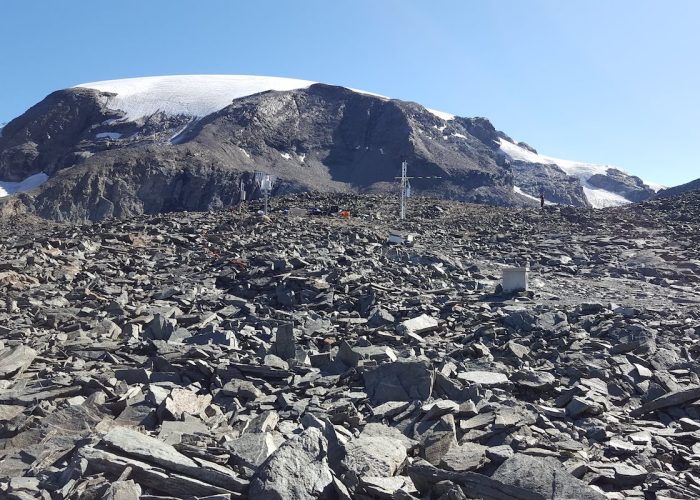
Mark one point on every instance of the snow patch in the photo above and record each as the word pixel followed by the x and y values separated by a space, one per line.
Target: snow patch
pixel 302 157
pixel 191 95
pixel 180 134
pixel 519 191
pixel 655 186
pixel 442 115
pixel 196 95
pixel 9 188
pixel 461 136
pixel 244 152
pixel 286 156
pixel 108 135
pixel 598 198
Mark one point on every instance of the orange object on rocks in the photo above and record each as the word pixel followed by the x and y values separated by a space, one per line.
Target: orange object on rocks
pixel 345 214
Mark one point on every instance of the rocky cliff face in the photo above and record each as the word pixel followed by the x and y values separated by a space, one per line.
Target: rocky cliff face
pixel 614 180
pixel 319 138
pixel 133 150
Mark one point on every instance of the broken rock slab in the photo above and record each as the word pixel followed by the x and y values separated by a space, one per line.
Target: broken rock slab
pixel 674 398
pixel 148 475
pixel 466 457
pixel 181 402
pixel 418 325
pixel 400 381
pixel 122 490
pixel 147 448
pixel 14 360
pixel 251 449
pixel 297 470
pixel 545 476
pixel 285 342
pixel 379 456
pixel 484 378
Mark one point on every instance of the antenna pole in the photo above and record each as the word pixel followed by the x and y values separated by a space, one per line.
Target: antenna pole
pixel 404 183
pixel 267 187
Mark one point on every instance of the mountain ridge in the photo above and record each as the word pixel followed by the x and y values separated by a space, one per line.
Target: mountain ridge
pixel 103 145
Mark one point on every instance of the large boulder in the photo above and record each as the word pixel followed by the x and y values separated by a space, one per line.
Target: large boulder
pixel 297 470
pixel 380 456
pixel 13 361
pixel 400 381
pixel 545 476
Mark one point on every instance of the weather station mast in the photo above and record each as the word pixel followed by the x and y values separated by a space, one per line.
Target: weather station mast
pixel 405 187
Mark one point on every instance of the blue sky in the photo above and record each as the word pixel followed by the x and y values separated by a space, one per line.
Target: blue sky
pixel 612 82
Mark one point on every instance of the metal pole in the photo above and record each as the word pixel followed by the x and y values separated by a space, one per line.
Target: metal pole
pixel 403 189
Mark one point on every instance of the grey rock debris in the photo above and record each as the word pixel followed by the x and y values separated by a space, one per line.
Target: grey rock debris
pixel 229 355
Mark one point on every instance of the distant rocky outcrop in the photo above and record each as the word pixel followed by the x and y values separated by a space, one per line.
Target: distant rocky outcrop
pixel 616 181
pixel 677 190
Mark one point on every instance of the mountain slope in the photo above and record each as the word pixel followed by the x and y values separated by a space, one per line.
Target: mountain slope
pixel 123 147
pixel 602 185
pixel 677 190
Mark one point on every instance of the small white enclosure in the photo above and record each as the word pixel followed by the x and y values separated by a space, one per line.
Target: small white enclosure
pixel 515 279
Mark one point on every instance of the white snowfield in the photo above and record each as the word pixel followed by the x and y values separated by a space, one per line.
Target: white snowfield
pixel 519 191
pixel 195 95
pixel 9 188
pixel 598 198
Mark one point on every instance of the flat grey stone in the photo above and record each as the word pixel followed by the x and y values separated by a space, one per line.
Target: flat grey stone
pixel 379 456
pixel 14 360
pixel 399 381
pixel 545 476
pixel 464 457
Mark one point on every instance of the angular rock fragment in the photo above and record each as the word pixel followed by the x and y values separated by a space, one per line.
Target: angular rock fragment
pixel 399 381
pixel 543 476
pixel 465 457
pixel 14 360
pixel 418 326
pixel 484 378
pixel 674 398
pixel 298 469
pixel 375 456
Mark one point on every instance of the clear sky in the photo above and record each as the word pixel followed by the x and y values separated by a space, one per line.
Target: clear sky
pixel 612 82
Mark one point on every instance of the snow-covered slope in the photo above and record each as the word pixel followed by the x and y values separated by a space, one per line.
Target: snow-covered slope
pixel 519 191
pixel 8 188
pixel 598 198
pixel 194 95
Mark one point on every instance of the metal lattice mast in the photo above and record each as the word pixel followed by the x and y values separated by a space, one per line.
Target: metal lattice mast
pixel 265 182
pixel 404 184
pixel 241 188
pixel 267 186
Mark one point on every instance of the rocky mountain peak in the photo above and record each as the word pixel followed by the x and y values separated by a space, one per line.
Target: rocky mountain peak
pixel 124 147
